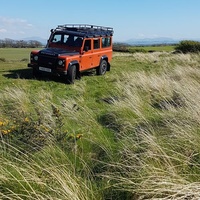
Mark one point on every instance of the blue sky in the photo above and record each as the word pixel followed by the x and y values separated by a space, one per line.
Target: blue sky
pixel 177 19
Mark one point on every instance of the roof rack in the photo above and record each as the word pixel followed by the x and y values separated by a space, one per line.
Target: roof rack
pixel 86 29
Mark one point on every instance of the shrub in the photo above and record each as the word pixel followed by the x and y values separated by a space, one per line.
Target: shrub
pixel 120 47
pixel 188 46
pixel 24 60
pixel 2 60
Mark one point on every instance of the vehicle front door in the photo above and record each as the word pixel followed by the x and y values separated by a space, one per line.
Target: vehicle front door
pixel 86 57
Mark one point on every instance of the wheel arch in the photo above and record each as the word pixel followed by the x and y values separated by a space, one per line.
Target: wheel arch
pixel 76 63
pixel 105 57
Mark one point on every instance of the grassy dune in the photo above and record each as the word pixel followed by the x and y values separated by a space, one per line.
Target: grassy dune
pixel 131 134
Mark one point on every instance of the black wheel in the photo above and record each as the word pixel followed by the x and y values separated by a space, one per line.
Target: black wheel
pixel 101 70
pixel 71 74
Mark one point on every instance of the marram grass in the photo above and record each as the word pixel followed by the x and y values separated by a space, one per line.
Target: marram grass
pixel 133 134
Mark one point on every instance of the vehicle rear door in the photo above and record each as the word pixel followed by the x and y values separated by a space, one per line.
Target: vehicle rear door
pixel 96 52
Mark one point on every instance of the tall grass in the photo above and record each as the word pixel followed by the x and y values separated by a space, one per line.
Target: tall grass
pixel 47 175
pixel 160 151
pixel 49 150
pixel 134 138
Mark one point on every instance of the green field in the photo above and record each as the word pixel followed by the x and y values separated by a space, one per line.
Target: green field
pixel 131 134
pixel 12 54
pixel 167 48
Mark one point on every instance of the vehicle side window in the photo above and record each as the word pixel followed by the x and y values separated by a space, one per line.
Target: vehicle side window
pixel 96 43
pixel 57 38
pixel 69 40
pixel 106 42
pixel 65 38
pixel 87 45
pixel 78 41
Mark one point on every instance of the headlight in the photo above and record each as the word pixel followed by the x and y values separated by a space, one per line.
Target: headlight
pixel 61 63
pixel 35 58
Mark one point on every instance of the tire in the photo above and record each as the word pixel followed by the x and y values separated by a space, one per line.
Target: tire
pixel 71 74
pixel 101 70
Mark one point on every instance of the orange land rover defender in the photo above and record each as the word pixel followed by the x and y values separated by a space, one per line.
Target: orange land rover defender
pixel 72 49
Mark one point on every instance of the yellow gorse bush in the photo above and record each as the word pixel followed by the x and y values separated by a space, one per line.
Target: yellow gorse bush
pixel 35 132
pixel 3 122
pixel 4 128
pixel 4 132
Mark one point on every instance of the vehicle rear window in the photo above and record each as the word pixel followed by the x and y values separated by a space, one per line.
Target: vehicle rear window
pixel 106 42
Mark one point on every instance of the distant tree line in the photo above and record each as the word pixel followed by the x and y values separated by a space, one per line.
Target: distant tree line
pixel 126 48
pixel 9 43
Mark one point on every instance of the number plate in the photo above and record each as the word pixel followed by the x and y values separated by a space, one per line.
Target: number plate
pixel 44 69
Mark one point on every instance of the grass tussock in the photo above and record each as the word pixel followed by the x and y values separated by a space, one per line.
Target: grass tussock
pixel 2 60
pixel 136 139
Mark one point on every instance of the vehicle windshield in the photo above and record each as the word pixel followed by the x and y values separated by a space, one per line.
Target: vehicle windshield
pixel 66 39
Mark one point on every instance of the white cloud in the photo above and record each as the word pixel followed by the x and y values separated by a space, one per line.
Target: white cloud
pixel 14 27
pixel 12 21
pixel 2 30
pixel 141 35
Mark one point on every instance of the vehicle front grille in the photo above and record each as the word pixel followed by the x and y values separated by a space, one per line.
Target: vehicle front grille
pixel 47 61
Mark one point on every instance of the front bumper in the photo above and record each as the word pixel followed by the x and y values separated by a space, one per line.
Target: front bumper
pixel 57 72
